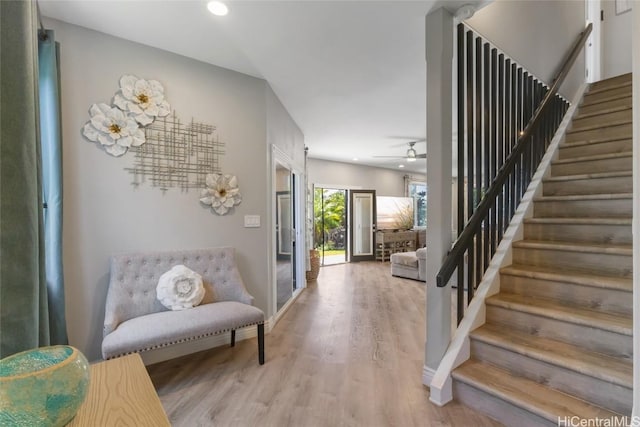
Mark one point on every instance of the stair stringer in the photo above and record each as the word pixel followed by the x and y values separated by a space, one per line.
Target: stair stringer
pixel 458 352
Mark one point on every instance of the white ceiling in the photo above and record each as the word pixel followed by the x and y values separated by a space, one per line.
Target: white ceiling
pixel 350 73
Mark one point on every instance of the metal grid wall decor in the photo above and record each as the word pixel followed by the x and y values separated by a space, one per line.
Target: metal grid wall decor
pixel 177 155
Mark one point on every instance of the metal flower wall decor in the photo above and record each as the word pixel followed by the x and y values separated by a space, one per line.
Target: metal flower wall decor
pixel 222 193
pixel 175 152
pixel 137 103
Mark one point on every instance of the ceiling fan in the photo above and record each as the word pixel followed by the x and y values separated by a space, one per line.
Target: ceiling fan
pixel 411 155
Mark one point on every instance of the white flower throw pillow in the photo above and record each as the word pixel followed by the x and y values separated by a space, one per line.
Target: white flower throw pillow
pixel 180 288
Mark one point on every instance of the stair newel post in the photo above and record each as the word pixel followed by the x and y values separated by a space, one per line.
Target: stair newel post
pixel 439 56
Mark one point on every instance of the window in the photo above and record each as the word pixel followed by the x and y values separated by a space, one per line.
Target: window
pixel 418 191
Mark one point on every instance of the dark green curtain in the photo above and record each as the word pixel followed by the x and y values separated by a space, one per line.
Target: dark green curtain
pixel 24 308
pixel 51 145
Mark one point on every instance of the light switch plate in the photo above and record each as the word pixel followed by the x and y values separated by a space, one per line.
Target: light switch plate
pixel 252 221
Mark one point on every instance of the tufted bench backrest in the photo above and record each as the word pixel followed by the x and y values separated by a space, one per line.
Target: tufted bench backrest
pixel 134 277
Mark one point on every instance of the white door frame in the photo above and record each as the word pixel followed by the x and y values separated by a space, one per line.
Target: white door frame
pixel 279 156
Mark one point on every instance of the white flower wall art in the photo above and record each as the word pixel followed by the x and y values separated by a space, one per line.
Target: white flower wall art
pixel 137 103
pixel 222 193
pixel 113 129
pixel 142 99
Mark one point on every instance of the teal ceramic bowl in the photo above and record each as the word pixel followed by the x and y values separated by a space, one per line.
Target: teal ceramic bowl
pixel 43 386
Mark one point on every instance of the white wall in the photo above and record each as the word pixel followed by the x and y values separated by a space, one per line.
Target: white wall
pixel 386 182
pixel 536 34
pixel 104 214
pixel 282 131
pixel 616 40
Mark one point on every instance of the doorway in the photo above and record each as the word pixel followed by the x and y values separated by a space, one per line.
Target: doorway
pixel 330 225
pixel 288 260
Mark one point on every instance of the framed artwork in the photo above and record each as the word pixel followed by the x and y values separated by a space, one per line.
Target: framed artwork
pixel 623 6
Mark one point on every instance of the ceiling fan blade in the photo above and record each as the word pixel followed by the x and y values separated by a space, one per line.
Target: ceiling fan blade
pixel 390 157
pixel 404 144
pixel 421 156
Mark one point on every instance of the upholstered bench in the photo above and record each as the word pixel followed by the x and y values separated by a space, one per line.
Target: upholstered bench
pixel 135 321
pixel 410 265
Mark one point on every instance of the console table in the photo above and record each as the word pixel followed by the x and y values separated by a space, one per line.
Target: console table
pixel 391 242
pixel 121 394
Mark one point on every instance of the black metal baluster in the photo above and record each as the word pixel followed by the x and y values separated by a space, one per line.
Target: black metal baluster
pixel 478 159
pixel 470 150
pixel 461 170
pixel 493 147
pixel 501 151
pixel 486 152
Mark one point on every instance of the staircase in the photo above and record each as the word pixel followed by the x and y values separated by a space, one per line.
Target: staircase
pixel 558 337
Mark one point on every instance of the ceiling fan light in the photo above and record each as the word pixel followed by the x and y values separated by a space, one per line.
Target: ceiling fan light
pixel 411 159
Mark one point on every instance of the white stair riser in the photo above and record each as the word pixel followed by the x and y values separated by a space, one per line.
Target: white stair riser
pixel 592 166
pixel 608 208
pixel 580 233
pixel 496 408
pixel 601 134
pixel 595 339
pixel 603 393
pixel 606 185
pixel 615 92
pixel 604 106
pixel 596 263
pixel 601 119
pixel 568 150
pixel 601 299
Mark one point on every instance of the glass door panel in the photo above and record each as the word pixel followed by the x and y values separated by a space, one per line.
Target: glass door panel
pixel 362 207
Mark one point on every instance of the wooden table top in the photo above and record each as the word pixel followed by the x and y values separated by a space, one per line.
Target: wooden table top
pixel 121 394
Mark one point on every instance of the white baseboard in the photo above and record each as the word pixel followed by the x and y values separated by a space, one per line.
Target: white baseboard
pixel 427 375
pixel 459 349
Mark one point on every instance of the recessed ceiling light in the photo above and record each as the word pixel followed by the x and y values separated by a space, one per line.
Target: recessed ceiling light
pixel 400 166
pixel 355 159
pixel 217 8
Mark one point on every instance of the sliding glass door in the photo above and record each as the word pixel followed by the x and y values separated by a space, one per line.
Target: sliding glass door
pixel 330 225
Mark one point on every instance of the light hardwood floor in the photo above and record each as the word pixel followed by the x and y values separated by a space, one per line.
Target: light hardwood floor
pixel 349 352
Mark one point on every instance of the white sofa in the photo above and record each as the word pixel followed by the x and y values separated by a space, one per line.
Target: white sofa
pixel 410 265
pixel 135 321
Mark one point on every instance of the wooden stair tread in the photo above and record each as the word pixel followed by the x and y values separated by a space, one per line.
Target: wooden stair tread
pixel 613 123
pixel 618 323
pixel 575 247
pixel 612 81
pixel 584 197
pixel 599 126
pixel 615 370
pixel 607 88
pixel 614 174
pixel 580 221
pixel 572 144
pixel 530 395
pixel 603 111
pixel 606 156
pixel 592 280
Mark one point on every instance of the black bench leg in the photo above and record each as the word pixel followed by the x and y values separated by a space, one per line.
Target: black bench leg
pixel 261 343
pixel 233 337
